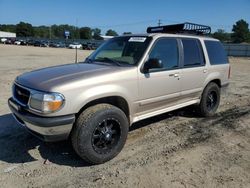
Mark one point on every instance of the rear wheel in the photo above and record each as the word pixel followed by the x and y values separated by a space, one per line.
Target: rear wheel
pixel 210 100
pixel 100 133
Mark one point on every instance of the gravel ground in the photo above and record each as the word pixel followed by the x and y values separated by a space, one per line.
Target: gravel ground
pixel 177 149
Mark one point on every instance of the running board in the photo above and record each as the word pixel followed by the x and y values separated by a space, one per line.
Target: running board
pixel 161 111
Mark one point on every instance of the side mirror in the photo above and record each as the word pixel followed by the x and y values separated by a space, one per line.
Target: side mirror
pixel 152 63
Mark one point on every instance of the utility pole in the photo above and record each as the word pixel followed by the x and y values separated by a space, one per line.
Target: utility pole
pixel 50 32
pixel 75 39
pixel 76 29
pixel 159 22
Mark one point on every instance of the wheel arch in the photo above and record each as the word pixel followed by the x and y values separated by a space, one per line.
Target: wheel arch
pixel 216 81
pixel 118 101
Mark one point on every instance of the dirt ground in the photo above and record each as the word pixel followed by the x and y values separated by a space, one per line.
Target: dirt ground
pixel 177 149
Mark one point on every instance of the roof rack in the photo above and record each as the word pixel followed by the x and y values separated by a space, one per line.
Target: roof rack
pixel 190 28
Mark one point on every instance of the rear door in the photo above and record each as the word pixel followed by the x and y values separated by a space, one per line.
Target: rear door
pixel 194 70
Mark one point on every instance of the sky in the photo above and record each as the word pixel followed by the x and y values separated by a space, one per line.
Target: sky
pixel 125 15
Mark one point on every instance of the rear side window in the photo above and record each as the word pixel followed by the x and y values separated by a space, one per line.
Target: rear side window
pixel 193 55
pixel 216 52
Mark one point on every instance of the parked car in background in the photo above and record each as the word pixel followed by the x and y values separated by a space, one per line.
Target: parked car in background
pixel 87 46
pixel 30 42
pixel 90 45
pixel 37 43
pixel 53 44
pixel 44 43
pixel 10 41
pixel 75 45
pixel 17 42
pixel 3 40
pixel 41 43
pixel 57 45
pixel 23 42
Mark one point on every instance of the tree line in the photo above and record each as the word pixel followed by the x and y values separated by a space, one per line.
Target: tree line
pixel 240 32
pixel 23 29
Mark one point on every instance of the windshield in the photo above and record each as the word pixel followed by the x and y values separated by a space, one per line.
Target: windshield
pixel 126 50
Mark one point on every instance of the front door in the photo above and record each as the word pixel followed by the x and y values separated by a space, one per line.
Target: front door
pixel 160 88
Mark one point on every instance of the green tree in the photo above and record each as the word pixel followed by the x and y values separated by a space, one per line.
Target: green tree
pixel 240 31
pixel 96 34
pixel 57 31
pixel 222 35
pixel 24 30
pixel 8 28
pixel 42 32
pixel 85 33
pixel 127 33
pixel 76 33
pixel 111 32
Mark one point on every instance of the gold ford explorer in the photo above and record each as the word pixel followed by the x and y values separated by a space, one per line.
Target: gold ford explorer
pixel 127 79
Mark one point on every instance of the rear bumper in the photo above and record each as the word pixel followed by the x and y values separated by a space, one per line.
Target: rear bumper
pixel 48 129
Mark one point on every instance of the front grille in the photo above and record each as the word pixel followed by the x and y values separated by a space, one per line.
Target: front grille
pixel 21 94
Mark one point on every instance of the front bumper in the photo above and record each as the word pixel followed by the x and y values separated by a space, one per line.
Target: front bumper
pixel 48 129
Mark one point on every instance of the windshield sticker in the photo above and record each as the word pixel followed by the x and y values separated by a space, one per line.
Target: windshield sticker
pixel 137 39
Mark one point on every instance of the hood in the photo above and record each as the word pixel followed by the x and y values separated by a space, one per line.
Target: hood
pixel 47 78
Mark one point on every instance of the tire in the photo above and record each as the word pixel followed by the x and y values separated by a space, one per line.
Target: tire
pixel 210 100
pixel 100 133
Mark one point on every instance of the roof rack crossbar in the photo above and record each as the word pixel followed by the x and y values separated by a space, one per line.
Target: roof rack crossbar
pixel 186 27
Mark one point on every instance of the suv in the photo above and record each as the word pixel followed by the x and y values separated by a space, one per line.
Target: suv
pixel 127 79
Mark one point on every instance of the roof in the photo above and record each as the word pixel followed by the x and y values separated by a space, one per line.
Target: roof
pixel 182 35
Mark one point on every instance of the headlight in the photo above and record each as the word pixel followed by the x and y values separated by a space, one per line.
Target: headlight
pixel 46 102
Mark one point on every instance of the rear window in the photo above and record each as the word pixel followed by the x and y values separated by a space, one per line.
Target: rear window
pixel 193 55
pixel 216 52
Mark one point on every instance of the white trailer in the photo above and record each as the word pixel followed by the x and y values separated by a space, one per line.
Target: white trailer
pixel 4 34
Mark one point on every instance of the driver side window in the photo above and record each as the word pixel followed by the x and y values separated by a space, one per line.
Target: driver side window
pixel 166 50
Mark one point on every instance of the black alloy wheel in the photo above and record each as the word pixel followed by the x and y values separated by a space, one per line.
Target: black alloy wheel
pixel 211 100
pixel 106 135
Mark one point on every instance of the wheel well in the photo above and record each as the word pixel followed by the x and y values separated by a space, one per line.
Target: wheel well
pixel 117 101
pixel 217 81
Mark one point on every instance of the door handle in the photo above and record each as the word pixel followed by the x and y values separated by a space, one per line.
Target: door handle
pixel 174 75
pixel 205 70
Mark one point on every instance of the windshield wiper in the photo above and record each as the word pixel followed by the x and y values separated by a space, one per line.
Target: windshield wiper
pixel 109 60
pixel 88 60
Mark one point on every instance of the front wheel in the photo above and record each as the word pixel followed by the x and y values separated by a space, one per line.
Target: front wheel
pixel 100 133
pixel 210 100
